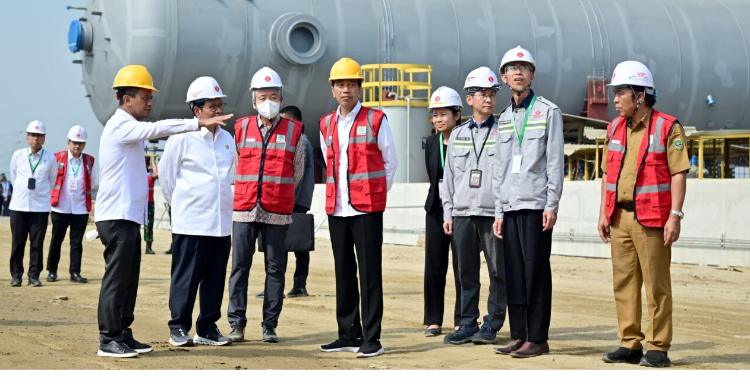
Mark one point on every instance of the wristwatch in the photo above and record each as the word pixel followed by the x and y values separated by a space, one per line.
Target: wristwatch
pixel 677 213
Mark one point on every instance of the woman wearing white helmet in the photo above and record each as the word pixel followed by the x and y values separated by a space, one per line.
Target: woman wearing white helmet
pixel 445 104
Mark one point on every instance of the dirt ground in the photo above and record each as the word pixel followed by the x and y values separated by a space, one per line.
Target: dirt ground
pixel 39 330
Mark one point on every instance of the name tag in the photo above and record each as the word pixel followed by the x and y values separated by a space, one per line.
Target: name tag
pixel 650 139
pixel 280 139
pixel 440 189
pixel 361 130
pixel 72 185
pixel 516 167
pixel 616 141
pixel 251 140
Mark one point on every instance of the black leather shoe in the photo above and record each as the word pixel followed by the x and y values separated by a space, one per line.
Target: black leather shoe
pixel 34 282
pixel 52 277
pixel 297 292
pixel 116 349
pixel 269 335
pixel 169 252
pixel 657 359
pixel 624 355
pixel 15 282
pixel 260 295
pixel 77 278
pixel 150 251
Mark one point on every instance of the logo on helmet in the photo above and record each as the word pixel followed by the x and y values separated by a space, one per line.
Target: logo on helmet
pixel 78 135
pixel 492 79
pixel 437 98
pixel 36 127
pixel 217 88
pixel 641 74
pixel 268 79
pixel 520 55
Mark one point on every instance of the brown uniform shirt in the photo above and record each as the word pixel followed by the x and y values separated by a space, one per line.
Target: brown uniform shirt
pixel 677 159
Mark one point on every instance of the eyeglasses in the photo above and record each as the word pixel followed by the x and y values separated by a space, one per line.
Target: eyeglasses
pixel 485 96
pixel 513 68
pixel 214 108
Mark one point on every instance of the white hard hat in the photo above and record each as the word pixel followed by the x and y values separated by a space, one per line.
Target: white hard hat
pixel 517 54
pixel 445 97
pixel 77 133
pixel 265 78
pixel 632 73
pixel 204 88
pixel 482 77
pixel 36 127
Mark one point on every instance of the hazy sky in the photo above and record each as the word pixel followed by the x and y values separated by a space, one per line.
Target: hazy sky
pixel 39 79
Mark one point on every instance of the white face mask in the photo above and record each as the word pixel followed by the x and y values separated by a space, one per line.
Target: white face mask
pixel 268 109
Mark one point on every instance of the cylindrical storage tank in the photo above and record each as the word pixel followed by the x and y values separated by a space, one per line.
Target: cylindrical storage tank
pixel 695 48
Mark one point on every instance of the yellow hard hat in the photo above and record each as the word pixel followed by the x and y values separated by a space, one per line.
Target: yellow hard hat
pixel 134 76
pixel 346 69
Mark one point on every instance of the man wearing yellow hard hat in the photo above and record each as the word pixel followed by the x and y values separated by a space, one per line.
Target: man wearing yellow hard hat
pixel 361 162
pixel 121 203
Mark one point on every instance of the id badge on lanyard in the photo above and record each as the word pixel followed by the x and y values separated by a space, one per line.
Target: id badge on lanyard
pixel 475 178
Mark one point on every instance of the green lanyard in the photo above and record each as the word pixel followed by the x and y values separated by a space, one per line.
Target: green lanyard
pixel 442 157
pixel 33 167
pixel 526 119
pixel 75 171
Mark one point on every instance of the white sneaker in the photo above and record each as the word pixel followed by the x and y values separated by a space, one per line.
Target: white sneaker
pixel 214 338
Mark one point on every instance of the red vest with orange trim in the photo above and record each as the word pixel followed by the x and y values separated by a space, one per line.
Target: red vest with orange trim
pixel 265 168
pixel 62 168
pixel 366 177
pixel 653 196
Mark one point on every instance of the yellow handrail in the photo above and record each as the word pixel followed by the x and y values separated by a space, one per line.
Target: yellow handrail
pixel 396 84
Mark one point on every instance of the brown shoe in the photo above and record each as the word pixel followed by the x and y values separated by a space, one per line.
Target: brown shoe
pixel 530 349
pixel 513 346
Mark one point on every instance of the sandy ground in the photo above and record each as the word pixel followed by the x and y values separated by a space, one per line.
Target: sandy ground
pixel 40 331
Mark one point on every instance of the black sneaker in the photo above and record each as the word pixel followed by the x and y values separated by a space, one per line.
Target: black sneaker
pixel 34 282
pixel 16 282
pixel 116 349
pixel 52 277
pixel 237 333
pixel 656 359
pixel 212 337
pixel 180 338
pixel 462 336
pixel 297 292
pixel 269 335
pixel 370 349
pixel 342 345
pixel 137 345
pixel 624 355
pixel 486 335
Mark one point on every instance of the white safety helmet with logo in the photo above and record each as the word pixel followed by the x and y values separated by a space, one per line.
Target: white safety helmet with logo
pixel 202 89
pixel 77 134
pixel 266 78
pixel 445 97
pixel 517 54
pixel 36 127
pixel 629 73
pixel 481 78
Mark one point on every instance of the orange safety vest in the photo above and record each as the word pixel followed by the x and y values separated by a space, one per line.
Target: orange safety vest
pixel 265 168
pixel 62 167
pixel 366 177
pixel 653 196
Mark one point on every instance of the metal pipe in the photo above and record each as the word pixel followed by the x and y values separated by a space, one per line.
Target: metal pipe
pixel 408 138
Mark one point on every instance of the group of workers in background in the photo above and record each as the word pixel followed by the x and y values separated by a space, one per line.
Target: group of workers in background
pixel 495 188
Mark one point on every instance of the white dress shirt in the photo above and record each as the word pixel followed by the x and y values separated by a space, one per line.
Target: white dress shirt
pixel 123 186
pixel 39 199
pixel 387 150
pixel 73 192
pixel 195 173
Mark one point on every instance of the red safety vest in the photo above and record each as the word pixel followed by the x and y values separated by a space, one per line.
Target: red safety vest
pixel 366 177
pixel 62 167
pixel 653 196
pixel 265 168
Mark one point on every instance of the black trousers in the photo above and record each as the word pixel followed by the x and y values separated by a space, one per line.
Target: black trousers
pixel 527 265
pixel 302 266
pixel 470 235
pixel 363 233
pixel 27 225
pixel 437 245
pixel 197 262
pixel 60 223
pixel 244 235
pixel 122 268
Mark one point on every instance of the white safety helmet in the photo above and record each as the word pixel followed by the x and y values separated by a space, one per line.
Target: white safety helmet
pixel 630 73
pixel 517 54
pixel 204 88
pixel 77 134
pixel 445 97
pixel 36 127
pixel 265 78
pixel 481 78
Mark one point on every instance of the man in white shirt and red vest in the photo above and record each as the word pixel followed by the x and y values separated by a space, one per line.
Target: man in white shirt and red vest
pixel 361 162
pixel 32 172
pixel 270 165
pixel 121 204
pixel 71 203
pixel 643 188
